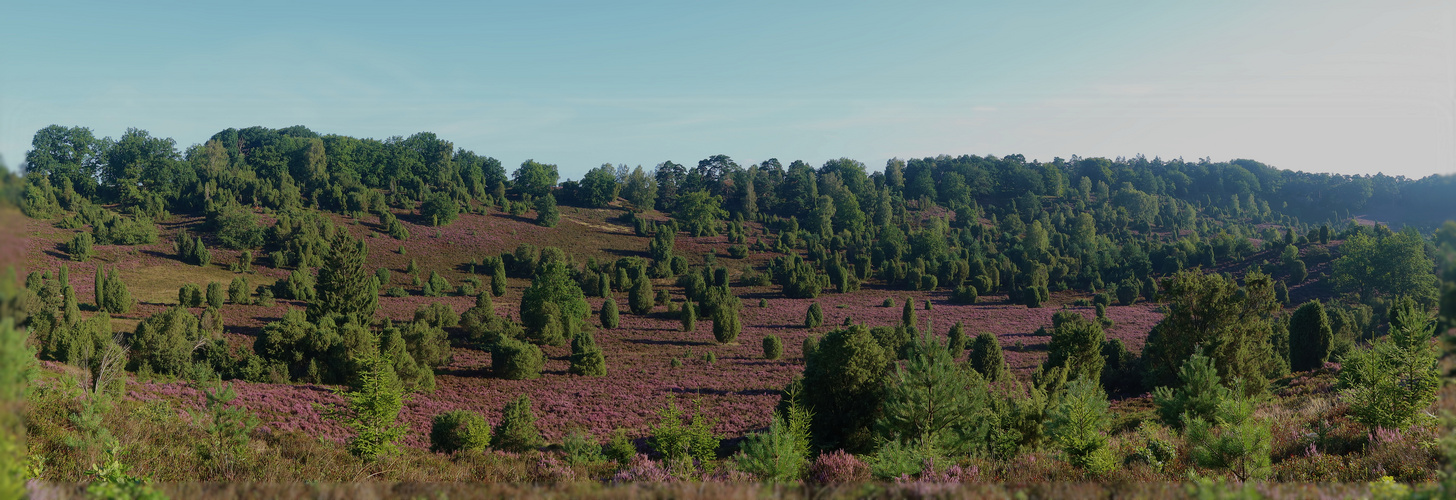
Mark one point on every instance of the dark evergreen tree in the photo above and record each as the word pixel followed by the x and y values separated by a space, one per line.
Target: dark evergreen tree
pixel 345 287
pixel 986 357
pixel 1310 337
pixel 609 315
pixel 814 316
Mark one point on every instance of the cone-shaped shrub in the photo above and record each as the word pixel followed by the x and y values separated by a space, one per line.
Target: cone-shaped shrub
pixel 586 356
pixel 726 326
pixel 1310 337
pixel 689 316
pixel 610 318
pixel 517 429
pixel 986 357
pixel 956 340
pixel 640 298
pixel 814 316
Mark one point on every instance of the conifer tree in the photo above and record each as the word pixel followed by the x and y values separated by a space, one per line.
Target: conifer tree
pixel 1310 337
pixel 956 340
pixel 118 299
pixel 726 326
pixel 1076 346
pixel 814 316
pixel 609 316
pixel 498 281
pixel 986 357
pixel 907 315
pixel 215 295
pixel 586 356
pixel 517 429
pixel 689 316
pixel 553 308
pixel 931 401
pixel 373 406
pixel 344 287
pixel 639 298
pixel 99 288
pixel 547 214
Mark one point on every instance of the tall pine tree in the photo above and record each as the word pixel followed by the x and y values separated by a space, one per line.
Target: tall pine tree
pixel 345 287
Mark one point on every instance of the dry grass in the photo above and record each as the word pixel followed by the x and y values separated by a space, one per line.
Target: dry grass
pixel 158 284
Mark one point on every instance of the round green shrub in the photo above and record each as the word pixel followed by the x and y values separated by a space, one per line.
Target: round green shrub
pixel 459 430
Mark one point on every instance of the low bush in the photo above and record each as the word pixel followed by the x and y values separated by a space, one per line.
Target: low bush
pixel 459 430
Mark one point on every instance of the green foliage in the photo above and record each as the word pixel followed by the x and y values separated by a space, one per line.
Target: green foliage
pixel 956 341
pixel 1390 383
pixel 1233 440
pixel 215 295
pixel 773 347
pixel 932 401
pixel 986 357
pixel 80 248
pixel 689 316
pixel 459 430
pixel 414 376
pixel 345 287
pixel 547 214
pixel 1078 424
pixel 372 408
pixel 436 286
pixel 1076 346
pixel 535 179
pixel 225 450
pixel 581 448
pixel 553 309
pixel 620 448
pixel 239 290
pixel 164 341
pixel 1232 325
pixel 1198 395
pixel 428 344
pixel 1128 292
pixel 17 366
pixel 296 343
pixel 680 442
pixel 1310 337
pixel 609 315
pixel 498 281
pixel 113 294
pixel 1393 265
pixel 640 298
pixel 516 360
pixel 440 209
pixel 726 323
pixel 782 453
pixel 586 356
pixel 517 428
pixel 598 187
pixel 238 228
pixel 843 385
pixel 700 213
pixel 814 316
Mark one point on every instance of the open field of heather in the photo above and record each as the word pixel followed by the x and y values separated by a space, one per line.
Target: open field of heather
pixel 738 390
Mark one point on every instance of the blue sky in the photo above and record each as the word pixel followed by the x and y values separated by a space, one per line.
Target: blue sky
pixel 1348 87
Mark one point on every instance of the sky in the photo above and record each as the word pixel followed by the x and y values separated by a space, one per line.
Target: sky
pixel 1320 86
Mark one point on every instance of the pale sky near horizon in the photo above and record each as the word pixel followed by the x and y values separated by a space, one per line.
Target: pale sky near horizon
pixel 1323 86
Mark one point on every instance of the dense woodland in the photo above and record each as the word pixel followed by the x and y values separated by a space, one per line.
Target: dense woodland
pixel 1292 304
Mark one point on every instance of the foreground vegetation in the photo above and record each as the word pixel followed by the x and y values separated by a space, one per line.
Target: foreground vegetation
pixel 1285 344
